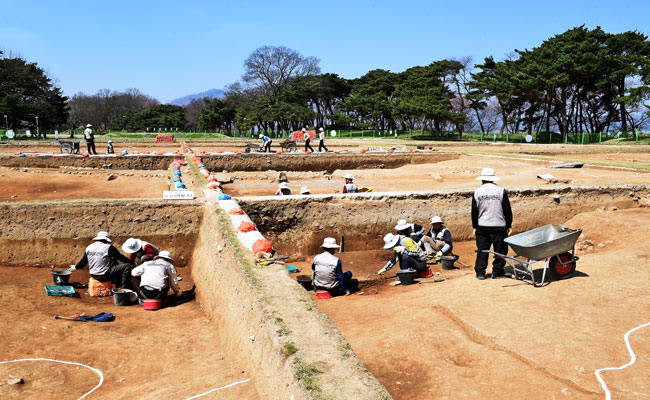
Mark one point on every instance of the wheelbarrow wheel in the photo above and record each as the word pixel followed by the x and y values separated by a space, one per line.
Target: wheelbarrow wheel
pixel 291 147
pixel 561 266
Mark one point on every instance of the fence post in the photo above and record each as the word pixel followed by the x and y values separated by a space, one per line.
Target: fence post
pixel 618 137
pixel 636 133
pixel 600 137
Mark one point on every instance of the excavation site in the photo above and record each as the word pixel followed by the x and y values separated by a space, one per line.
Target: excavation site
pixel 243 229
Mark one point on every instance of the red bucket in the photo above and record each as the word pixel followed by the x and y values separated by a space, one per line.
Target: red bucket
pixel 151 304
pixel 323 294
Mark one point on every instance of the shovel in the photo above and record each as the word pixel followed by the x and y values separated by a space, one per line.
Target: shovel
pixel 69 319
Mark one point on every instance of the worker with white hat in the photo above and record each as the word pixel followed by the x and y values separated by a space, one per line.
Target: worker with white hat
pixel 328 270
pixel 266 143
pixel 407 252
pixel 305 190
pixel 492 222
pixel 110 149
pixel 349 186
pixel 305 134
pixel 157 277
pixel 104 261
pixel 90 140
pixel 321 140
pixel 438 239
pixel 138 249
pixel 412 230
pixel 283 189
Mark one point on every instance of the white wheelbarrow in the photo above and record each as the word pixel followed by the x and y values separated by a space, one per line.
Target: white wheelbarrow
pixel 555 244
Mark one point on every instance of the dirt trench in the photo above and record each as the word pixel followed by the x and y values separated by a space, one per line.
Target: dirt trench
pixel 56 233
pixel 319 162
pixel 297 226
pixel 139 162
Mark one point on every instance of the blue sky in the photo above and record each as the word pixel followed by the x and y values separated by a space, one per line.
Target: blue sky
pixel 168 49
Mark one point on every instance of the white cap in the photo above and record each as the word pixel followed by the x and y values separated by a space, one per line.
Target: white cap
pixel 261 136
pixel 304 130
pixel 488 174
pixel 321 129
pixel 304 190
pixel 390 241
pixel 131 245
pixel 401 225
pixel 165 254
pixel 348 176
pixel 102 235
pixel 88 126
pixel 110 141
pixel 283 185
pixel 436 219
pixel 330 243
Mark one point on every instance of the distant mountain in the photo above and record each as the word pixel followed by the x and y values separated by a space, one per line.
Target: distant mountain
pixel 185 100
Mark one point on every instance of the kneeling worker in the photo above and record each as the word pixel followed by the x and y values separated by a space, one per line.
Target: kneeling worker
pixel 438 239
pixel 140 250
pixel 157 277
pixel 104 261
pixel 328 270
pixel 407 253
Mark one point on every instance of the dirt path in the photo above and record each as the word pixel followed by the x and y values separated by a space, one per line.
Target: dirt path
pixel 481 339
pixel 171 353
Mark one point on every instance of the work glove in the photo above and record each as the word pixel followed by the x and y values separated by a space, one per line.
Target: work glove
pixel 347 292
pixel 439 254
pixel 382 271
pixel 509 231
pixel 72 268
pixel 398 249
pixel 474 232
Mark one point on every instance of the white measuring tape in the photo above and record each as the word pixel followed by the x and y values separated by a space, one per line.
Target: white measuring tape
pixel 608 394
pixel 101 376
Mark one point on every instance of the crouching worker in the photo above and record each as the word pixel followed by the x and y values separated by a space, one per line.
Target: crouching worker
pixel 438 239
pixel 407 253
pixel 138 249
pixel 328 270
pixel 157 277
pixel 106 263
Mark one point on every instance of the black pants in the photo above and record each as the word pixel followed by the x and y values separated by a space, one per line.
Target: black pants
pixel 406 262
pixel 485 238
pixel 119 275
pixel 147 292
pixel 321 145
pixel 307 146
pixel 91 146
pixel 267 146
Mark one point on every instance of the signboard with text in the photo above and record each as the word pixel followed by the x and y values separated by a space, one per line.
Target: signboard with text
pixel 178 194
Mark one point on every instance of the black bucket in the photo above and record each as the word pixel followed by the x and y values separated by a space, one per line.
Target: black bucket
pixel 305 281
pixel 61 276
pixel 448 262
pixel 406 276
pixel 124 297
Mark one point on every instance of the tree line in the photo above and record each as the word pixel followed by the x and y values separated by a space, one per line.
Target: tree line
pixel 583 80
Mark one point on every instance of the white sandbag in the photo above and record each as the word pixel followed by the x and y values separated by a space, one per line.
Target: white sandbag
pixel 248 239
pixel 237 219
pixel 228 204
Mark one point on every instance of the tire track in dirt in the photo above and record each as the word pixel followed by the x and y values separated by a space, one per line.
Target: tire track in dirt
pixel 483 340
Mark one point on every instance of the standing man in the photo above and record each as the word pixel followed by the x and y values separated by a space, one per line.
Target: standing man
pixel 104 261
pixel 90 140
pixel 321 140
pixel 307 140
pixel 349 187
pixel 328 270
pixel 492 222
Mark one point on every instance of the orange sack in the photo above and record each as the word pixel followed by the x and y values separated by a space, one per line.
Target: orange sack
pixel 236 211
pixel 262 245
pixel 246 227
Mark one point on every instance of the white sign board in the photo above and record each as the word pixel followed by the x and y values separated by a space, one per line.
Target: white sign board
pixel 178 194
pixel 28 133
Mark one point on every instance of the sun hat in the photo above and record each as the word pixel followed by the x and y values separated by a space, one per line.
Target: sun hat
pixel 488 175
pixel 88 126
pixel 165 254
pixel 330 243
pixel 131 245
pixel 348 176
pixel 261 136
pixel 321 129
pixel 110 141
pixel 401 225
pixel 436 219
pixel 304 190
pixel 304 130
pixel 283 185
pixel 390 241
pixel 102 235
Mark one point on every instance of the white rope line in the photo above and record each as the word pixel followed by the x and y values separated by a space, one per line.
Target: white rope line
pixel 608 394
pixel 219 388
pixel 98 372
